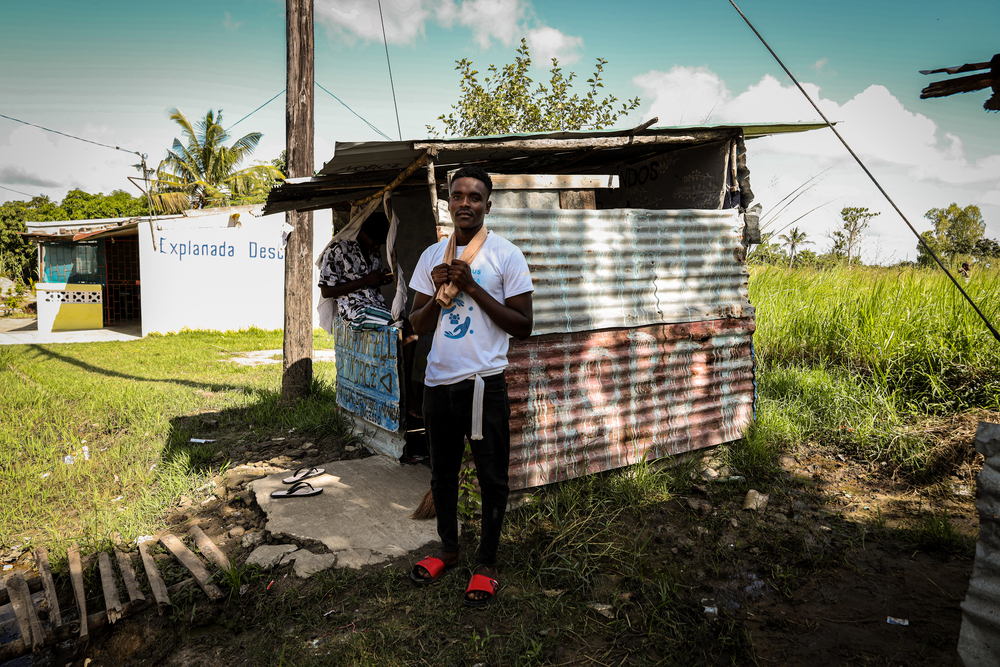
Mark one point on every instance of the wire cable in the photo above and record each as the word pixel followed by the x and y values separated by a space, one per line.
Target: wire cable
pixel 276 96
pixel 362 118
pixel 19 192
pixel 920 239
pixel 392 86
pixel 71 136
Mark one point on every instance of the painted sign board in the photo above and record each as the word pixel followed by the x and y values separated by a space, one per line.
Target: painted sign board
pixel 368 373
pixel 207 273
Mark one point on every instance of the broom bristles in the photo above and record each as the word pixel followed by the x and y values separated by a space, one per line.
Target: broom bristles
pixel 425 510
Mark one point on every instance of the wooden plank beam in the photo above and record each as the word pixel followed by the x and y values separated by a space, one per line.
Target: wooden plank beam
pixel 109 588
pixel 553 181
pixel 76 577
pixel 24 610
pixel 135 593
pixel 153 575
pixel 297 370
pixel 209 549
pixel 95 621
pixel 42 559
pixel 194 566
pixel 545 145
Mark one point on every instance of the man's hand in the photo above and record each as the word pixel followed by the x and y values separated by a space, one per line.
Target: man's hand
pixel 439 274
pixel 376 278
pixel 460 275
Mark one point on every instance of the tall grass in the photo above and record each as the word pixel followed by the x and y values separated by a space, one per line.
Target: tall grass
pixel 907 329
pixel 860 357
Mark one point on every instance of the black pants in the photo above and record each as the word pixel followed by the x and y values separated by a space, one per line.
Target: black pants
pixel 448 419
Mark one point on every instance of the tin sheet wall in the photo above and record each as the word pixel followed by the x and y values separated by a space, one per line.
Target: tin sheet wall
pixel 592 401
pixel 616 268
pixel 979 640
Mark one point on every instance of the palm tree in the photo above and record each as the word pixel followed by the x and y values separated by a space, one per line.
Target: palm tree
pixel 793 239
pixel 202 171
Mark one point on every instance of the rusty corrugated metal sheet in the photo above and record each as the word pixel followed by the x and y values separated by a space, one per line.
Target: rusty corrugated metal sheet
pixel 979 640
pixel 587 402
pixel 616 268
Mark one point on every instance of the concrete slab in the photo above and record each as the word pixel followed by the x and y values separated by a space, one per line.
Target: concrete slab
pixel 268 357
pixel 363 514
pixel 28 334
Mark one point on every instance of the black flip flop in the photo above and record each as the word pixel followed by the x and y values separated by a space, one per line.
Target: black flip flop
pixel 302 473
pixel 297 490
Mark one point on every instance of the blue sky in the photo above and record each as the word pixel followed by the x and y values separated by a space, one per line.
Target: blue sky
pixel 111 71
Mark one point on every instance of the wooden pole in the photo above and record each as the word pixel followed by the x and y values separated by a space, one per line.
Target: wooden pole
pixel 298 339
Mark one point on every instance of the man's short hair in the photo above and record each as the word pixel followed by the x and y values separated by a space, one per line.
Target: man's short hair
pixel 376 226
pixel 477 173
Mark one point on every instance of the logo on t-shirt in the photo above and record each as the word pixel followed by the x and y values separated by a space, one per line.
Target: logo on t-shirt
pixel 452 317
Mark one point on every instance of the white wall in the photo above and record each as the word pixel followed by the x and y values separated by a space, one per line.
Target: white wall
pixel 202 273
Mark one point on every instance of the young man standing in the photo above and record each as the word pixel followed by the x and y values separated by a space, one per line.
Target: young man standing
pixel 473 292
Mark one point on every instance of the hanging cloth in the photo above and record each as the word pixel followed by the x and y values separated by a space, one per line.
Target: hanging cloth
pixel 449 291
pixel 399 300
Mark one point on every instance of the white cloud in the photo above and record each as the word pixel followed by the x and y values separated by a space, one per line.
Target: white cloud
pixel 547 43
pixel 54 162
pixel 918 163
pixel 404 19
pixel 820 64
pixel 489 21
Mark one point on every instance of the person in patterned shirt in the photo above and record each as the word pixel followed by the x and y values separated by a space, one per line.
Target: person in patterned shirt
pixel 353 271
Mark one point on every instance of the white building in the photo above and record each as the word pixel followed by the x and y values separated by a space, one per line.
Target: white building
pixel 220 268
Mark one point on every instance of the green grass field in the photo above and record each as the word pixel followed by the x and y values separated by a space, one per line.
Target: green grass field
pixel 870 363
pixel 871 360
pixel 128 404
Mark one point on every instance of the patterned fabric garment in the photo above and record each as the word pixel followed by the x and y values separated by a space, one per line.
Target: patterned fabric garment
pixel 345 262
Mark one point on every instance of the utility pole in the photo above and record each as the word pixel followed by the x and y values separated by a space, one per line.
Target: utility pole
pixel 297 373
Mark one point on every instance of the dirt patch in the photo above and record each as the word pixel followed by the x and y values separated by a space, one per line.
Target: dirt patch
pixel 841 546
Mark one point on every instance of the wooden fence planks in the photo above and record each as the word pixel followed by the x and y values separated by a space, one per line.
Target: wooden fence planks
pixel 42 560
pixel 153 575
pixel 76 577
pixel 209 549
pixel 135 593
pixel 24 610
pixel 109 588
pixel 194 566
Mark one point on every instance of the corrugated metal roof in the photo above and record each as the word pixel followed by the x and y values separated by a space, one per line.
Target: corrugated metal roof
pixel 77 230
pixel 979 640
pixel 599 269
pixel 588 402
pixel 358 169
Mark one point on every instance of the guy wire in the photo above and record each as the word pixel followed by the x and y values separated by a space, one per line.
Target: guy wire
pixel 389 65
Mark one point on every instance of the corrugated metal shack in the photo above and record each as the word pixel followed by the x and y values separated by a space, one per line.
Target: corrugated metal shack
pixel 636 240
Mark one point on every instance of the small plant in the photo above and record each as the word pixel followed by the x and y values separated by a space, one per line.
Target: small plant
pixel 470 498
pixel 13 300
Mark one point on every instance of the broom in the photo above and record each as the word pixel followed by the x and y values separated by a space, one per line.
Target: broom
pixel 425 510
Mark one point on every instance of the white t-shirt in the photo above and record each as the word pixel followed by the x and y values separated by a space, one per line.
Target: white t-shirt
pixel 466 342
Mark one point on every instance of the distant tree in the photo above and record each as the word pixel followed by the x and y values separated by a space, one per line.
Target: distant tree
pixel 508 100
pixel 808 258
pixel 793 239
pixel 766 252
pixel 202 171
pixel 956 232
pixel 17 256
pixel 855 222
pixel 986 248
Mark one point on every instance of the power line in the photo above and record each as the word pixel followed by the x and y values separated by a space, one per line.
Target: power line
pixel 362 118
pixel 276 96
pixel 71 136
pixel 392 85
pixel 920 239
pixel 18 191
